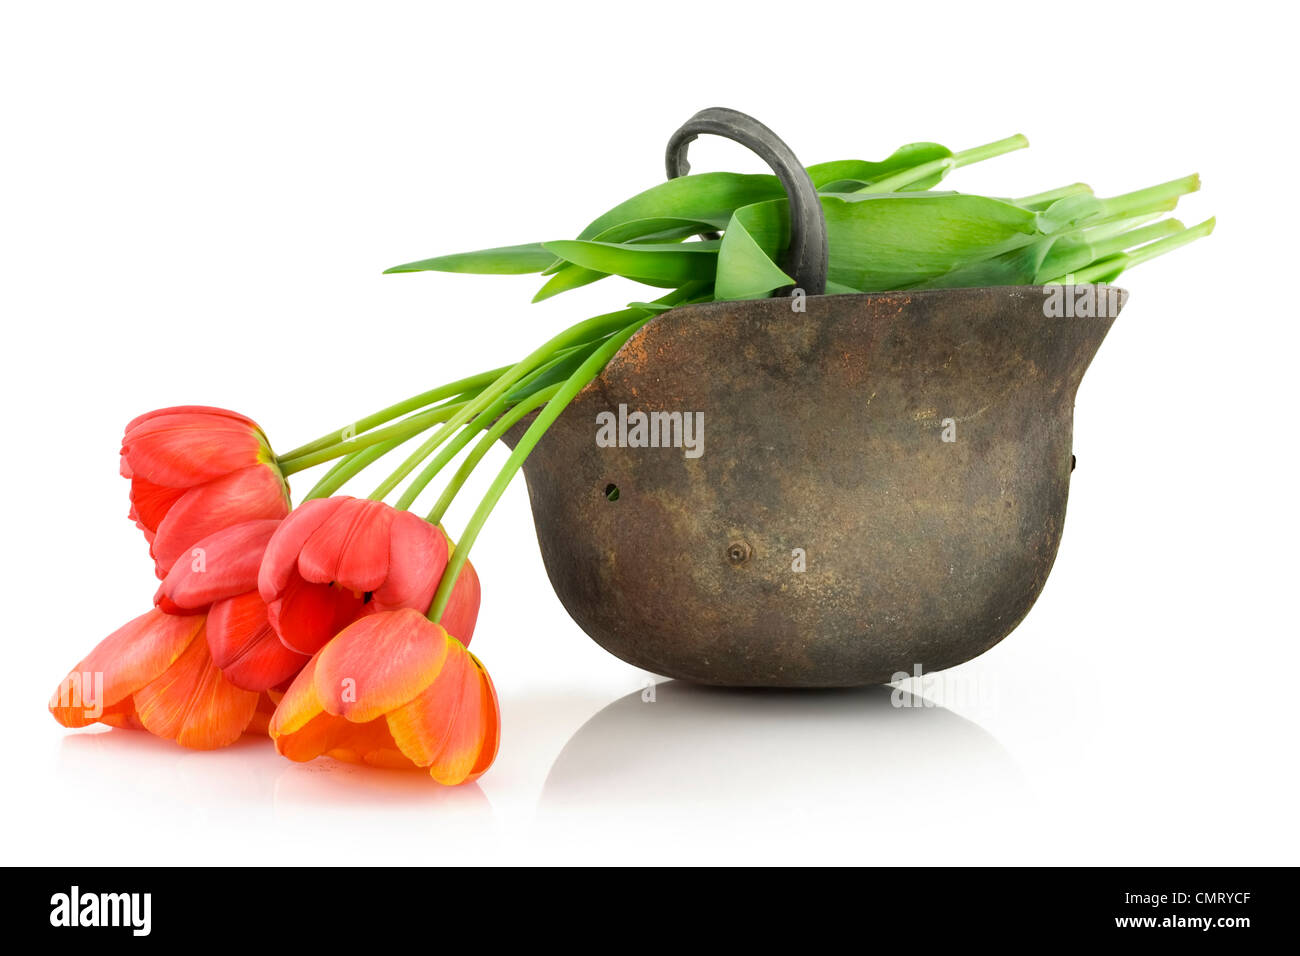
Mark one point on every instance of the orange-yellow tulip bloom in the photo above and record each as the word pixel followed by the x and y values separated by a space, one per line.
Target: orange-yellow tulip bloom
pixel 393 689
pixel 155 673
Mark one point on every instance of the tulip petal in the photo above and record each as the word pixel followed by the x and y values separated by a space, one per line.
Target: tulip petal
pixel 467 733
pixel 492 723
pixel 421 727
pixel 298 705
pixel 451 725
pixel 222 565
pixel 280 562
pixel 307 615
pixel 379 663
pixel 416 558
pixel 249 494
pixel 189 410
pixel 370 743
pixel 309 741
pixel 303 731
pixel 122 715
pixel 126 660
pixel 193 704
pixel 183 449
pixel 150 504
pixel 328 736
pixel 461 613
pixel 351 547
pixel 245 647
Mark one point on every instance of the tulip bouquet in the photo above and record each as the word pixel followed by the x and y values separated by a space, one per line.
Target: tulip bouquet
pixel 308 624
pixel 341 626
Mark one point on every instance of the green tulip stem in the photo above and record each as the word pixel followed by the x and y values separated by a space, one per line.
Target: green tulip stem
pixel 905 177
pixel 445 454
pixel 406 428
pixel 349 467
pixel 499 428
pixel 342 435
pixel 587 330
pixel 588 370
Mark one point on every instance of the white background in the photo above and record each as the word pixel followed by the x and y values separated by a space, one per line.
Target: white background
pixel 198 200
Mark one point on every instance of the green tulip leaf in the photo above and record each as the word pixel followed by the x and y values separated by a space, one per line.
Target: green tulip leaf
pixel 704 196
pixel 745 268
pixel 659 264
pixel 503 260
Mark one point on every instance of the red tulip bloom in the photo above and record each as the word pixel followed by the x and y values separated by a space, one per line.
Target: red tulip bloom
pixel 155 674
pixel 219 575
pixel 393 690
pixel 336 560
pixel 195 470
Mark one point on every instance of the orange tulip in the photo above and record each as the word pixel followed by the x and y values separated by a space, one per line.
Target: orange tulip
pixel 219 575
pixel 155 673
pixel 393 689
pixel 195 470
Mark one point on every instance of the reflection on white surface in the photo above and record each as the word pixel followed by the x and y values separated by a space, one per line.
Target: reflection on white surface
pixel 247 799
pixel 325 782
pixel 762 768
pixel 171 779
pixel 249 772
pixel 692 774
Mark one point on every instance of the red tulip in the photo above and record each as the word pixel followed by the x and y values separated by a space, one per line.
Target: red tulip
pixel 393 690
pixel 195 470
pixel 155 674
pixel 219 576
pixel 335 560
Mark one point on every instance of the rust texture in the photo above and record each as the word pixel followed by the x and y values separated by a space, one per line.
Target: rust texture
pixel 823 432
